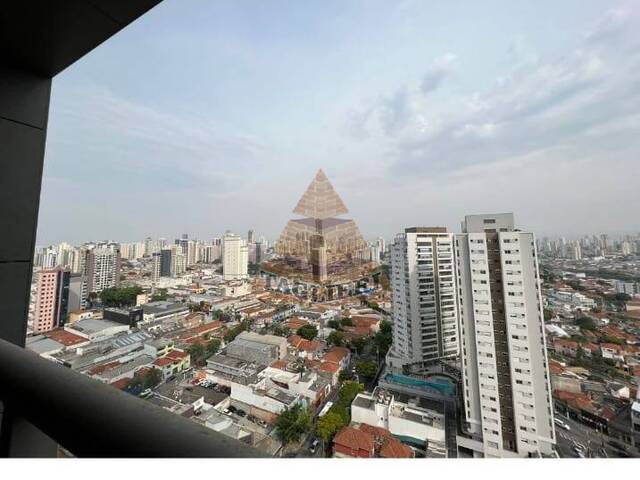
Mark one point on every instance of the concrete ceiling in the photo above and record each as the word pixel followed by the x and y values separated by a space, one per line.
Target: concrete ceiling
pixel 46 36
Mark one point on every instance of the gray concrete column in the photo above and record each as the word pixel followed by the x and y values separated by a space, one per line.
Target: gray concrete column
pixel 24 110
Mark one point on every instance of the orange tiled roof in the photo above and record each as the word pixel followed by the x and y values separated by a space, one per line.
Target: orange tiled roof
pixel 66 338
pixel 336 354
pixel 354 439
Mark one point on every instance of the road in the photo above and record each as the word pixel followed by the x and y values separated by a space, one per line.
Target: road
pixel 595 443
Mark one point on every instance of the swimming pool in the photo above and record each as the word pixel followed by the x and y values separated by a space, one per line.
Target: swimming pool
pixel 441 384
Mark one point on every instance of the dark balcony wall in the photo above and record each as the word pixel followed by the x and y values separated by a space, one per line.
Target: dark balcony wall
pixel 24 109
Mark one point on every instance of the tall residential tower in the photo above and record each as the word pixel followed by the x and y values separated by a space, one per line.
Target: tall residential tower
pixel 505 376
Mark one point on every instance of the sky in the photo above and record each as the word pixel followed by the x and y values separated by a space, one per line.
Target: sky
pixel 206 116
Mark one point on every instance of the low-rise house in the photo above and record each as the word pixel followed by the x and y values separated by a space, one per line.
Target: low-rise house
pixel 408 418
pixel 304 348
pixel 364 441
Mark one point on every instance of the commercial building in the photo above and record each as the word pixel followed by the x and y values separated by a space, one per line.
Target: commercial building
pixel 425 312
pixel 505 376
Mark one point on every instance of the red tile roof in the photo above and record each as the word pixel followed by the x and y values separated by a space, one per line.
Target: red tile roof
pixel 163 362
pixel 66 338
pixel 354 439
pixel 121 384
pixel 336 354
pixel 329 367
pixel 176 355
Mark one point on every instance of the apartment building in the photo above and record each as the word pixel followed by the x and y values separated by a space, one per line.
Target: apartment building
pixel 235 257
pixel 505 376
pixel 52 300
pixel 102 267
pixel 425 316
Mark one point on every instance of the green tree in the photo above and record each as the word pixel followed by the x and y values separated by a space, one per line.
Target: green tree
pixel 585 323
pixel 237 330
pixel 149 379
pixel 292 424
pixel 548 314
pixel 366 369
pixel 373 305
pixel 384 281
pixel 197 351
pixel 358 344
pixel 384 337
pixel 120 296
pixel 346 322
pixel 213 346
pixel 335 338
pixel 280 330
pixel 308 332
pixel 335 324
pixel 328 425
pixel 159 295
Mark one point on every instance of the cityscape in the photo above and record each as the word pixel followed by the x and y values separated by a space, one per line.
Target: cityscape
pixel 487 342
pixel 326 239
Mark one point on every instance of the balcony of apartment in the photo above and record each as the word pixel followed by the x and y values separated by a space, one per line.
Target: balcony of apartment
pixel 45 405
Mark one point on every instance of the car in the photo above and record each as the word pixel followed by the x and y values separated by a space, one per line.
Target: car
pixel 561 424
pixel 145 393
pixel 241 413
pixel 226 411
pixel 233 409
pixel 314 446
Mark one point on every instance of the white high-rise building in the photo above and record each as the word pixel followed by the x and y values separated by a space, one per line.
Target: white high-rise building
pixel 102 268
pixel 425 315
pixel 235 257
pixel 178 260
pixel 505 376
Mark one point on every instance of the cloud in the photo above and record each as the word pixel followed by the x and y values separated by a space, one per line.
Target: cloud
pixel 143 146
pixel 440 70
pixel 539 104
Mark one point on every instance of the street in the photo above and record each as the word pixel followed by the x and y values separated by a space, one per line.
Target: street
pixel 595 443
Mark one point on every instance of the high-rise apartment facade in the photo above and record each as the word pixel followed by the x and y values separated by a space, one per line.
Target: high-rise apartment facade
pixel 425 319
pixel 235 257
pixel 505 379
pixel 51 308
pixel 102 268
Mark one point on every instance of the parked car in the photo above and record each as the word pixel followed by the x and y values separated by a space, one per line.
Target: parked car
pixel 241 413
pixel 233 409
pixel 314 446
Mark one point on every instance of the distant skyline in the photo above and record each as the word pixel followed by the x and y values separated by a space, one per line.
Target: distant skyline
pixel 207 116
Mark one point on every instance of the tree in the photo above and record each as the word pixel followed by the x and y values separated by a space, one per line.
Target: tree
pixel 358 344
pixel 548 314
pixel 346 322
pixel 585 323
pixel 292 423
pixel 213 346
pixel 281 330
pixel 235 331
pixel 384 337
pixel 373 305
pixel 384 281
pixel 159 295
pixel 335 338
pixel 308 332
pixel 328 425
pixel 196 351
pixel 147 379
pixel 366 369
pixel 120 296
pixel 335 324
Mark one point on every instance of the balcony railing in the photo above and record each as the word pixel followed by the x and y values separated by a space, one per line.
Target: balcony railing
pixel 92 419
